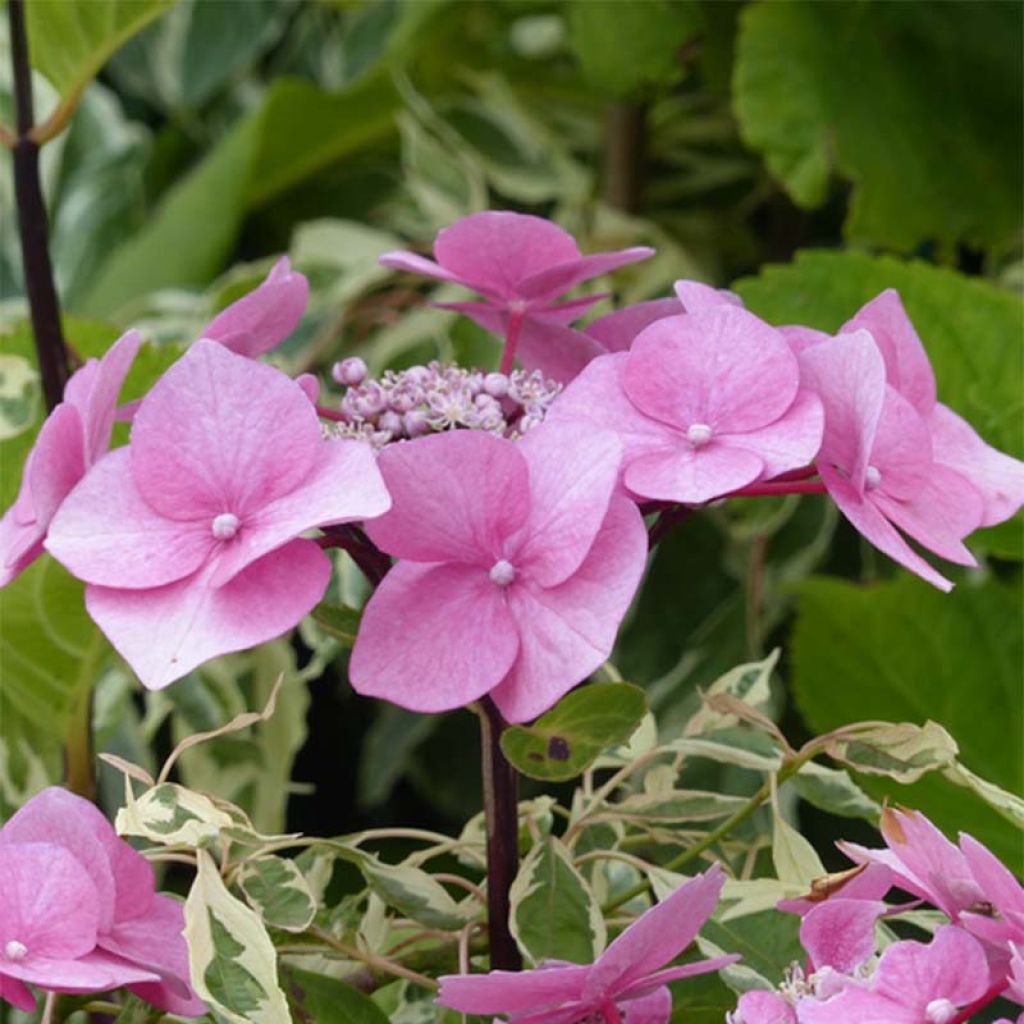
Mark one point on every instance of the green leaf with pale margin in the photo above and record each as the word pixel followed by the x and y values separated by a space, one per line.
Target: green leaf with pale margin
pixel 903 650
pixel 317 999
pixel 276 889
pixel 794 858
pixel 566 740
pixel 1009 805
pixel 675 805
pixel 70 42
pixel 554 913
pixel 337 621
pixel 919 105
pixel 19 395
pixel 769 942
pixel 900 750
pixel 750 683
pixel 832 790
pixel 971 330
pixel 171 815
pixel 231 957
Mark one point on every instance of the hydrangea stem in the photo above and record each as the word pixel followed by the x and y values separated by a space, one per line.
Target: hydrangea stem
pixel 508 354
pixel 501 814
pixel 54 367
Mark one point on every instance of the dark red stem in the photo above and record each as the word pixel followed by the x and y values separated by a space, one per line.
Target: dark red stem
pixel 44 307
pixel 508 354
pixel 372 562
pixel 778 489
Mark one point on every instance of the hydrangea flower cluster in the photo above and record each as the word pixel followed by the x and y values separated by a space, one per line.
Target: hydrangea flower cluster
pixel 965 965
pixel 79 911
pixel 420 400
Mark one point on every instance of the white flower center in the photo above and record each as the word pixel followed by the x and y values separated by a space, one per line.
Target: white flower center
pixel 225 526
pixel 15 950
pixel 503 573
pixel 940 1011
pixel 698 434
pixel 872 477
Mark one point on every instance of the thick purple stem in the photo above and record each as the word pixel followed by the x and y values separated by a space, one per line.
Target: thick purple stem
pixel 501 814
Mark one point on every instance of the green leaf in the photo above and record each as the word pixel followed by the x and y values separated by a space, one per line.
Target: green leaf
pixel 277 890
pixel 232 960
pixel 172 815
pixel 337 621
pixel 769 942
pixel 832 790
pixel 69 43
pixel 971 330
pixel 317 999
pixel 901 750
pixel 19 395
pixel 136 1011
pixel 917 105
pixel 626 50
pixel 903 650
pixel 563 742
pixel 794 858
pixel 554 913
pixel 676 805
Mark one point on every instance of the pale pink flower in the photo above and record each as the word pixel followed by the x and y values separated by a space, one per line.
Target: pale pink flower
pixel 516 566
pixel 80 912
pixel 187 537
pixel 704 403
pixel 877 463
pixel 761 1007
pixel 73 437
pixel 628 981
pixel 521 265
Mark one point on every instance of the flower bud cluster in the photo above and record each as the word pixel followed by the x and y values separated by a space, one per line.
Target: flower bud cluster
pixel 404 404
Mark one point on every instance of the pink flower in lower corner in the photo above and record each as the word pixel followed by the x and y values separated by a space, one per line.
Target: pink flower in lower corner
pixel 73 437
pixel 79 911
pixel 188 538
pixel 628 981
pixel 705 404
pixel 516 566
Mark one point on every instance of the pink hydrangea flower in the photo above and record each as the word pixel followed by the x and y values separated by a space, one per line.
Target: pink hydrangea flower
pixel 516 566
pixel 521 265
pixel 79 911
pixel 877 459
pixel 704 403
pixel 627 983
pixel 73 437
pixel 187 537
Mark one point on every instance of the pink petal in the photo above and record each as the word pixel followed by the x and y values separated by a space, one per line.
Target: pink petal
pixel 869 521
pixel 573 470
pixel 952 966
pixel 498 250
pixel 791 441
pixel 848 375
pixel 902 449
pixel 221 433
pixel 720 366
pixel 17 994
pixel 854 1003
pixel 998 884
pixel 654 1008
pixel 840 933
pixel 48 903
pixel 663 977
pixel 553 281
pixel 261 320
pixel 616 331
pixel 416 264
pixel 870 884
pixel 98 415
pixel 764 1008
pixel 21 538
pixel 945 509
pixel 509 991
pixel 694 475
pixel 907 366
pixel 433 638
pixel 568 631
pixel 998 477
pixel 494 318
pixel 93 972
pixel 56 464
pixel 800 337
pixel 105 533
pixel 310 384
pixel 166 632
pixel 560 353
pixel 656 937
pixel 344 485
pixel 695 295
pixel 456 497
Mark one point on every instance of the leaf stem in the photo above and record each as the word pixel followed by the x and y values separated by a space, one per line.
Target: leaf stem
pixel 44 306
pixel 501 814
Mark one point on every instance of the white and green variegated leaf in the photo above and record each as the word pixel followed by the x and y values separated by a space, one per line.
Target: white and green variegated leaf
pixel 1009 805
pixel 794 858
pixel 19 395
pixel 277 890
pixel 554 913
pixel 232 960
pixel 417 895
pixel 677 805
pixel 748 683
pixel 742 897
pixel 832 790
pixel 901 750
pixel 744 749
pixel 172 816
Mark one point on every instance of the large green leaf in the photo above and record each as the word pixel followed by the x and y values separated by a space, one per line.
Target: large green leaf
pixel 70 42
pixel 972 332
pixel 318 999
pixel 904 651
pixel 919 105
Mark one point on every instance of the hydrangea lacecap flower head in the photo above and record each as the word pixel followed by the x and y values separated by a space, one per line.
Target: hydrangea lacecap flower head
pixel 628 981
pixel 521 265
pixel 187 537
pixel 71 440
pixel 516 565
pixel 704 403
pixel 79 911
